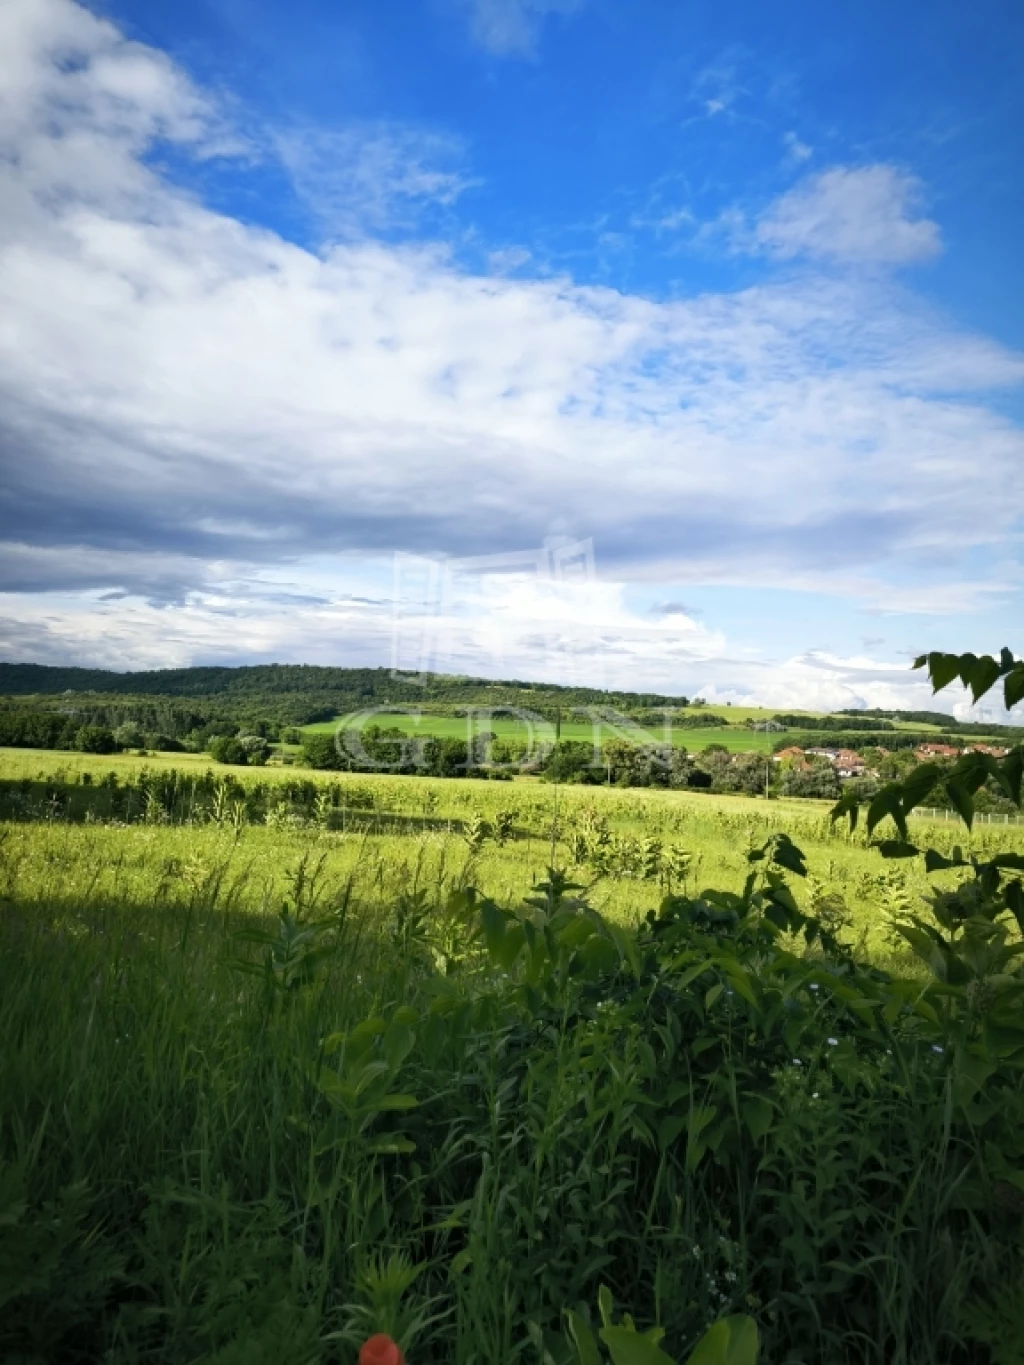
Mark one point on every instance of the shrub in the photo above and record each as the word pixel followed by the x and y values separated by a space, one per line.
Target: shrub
pixel 228 749
pixel 96 739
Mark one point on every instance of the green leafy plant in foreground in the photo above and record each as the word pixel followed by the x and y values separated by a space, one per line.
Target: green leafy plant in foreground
pixel 730 1341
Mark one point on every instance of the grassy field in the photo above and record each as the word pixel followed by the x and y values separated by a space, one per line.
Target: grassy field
pixel 735 739
pixel 275 1075
pixel 383 828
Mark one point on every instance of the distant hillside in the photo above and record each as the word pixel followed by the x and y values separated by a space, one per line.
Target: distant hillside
pixel 179 700
pixel 337 688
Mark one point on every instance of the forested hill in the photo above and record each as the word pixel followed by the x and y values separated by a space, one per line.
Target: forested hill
pixel 341 688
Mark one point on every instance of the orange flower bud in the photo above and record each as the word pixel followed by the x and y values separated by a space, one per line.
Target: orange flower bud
pixel 380 1350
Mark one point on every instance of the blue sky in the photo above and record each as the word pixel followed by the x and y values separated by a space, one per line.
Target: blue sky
pixel 731 293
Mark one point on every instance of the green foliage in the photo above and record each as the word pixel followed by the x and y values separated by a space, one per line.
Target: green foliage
pixel 229 749
pixel 95 739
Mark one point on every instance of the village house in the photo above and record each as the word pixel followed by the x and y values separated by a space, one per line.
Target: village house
pixel 993 750
pixel 849 764
pixel 791 754
pixel 937 751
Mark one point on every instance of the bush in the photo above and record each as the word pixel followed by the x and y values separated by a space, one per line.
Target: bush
pixel 130 736
pixel 320 751
pixel 164 744
pixel 96 739
pixel 817 779
pixel 228 749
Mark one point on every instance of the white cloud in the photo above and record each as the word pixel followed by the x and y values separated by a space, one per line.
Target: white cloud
pixel 189 403
pixel 512 27
pixel 866 213
pixel 370 176
pixel 797 151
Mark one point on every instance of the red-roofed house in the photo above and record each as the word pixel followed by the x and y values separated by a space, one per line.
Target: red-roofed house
pixel 794 753
pixel 849 764
pixel 936 751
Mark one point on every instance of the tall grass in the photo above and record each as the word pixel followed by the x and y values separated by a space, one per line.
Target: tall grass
pixel 231 1132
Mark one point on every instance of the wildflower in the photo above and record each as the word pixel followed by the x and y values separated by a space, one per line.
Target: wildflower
pixel 815 1095
pixel 815 986
pixel 832 1042
pixel 380 1350
pixel 936 1048
pixel 797 1061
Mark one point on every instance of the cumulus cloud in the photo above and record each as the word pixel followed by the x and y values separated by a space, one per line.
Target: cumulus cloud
pixel 866 213
pixel 188 402
pixel 512 27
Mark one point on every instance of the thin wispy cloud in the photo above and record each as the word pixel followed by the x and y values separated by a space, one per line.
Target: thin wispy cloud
pixel 513 27
pixel 370 177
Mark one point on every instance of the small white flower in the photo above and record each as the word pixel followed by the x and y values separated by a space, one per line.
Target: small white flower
pixel 815 1095
pixel 936 1048
pixel 797 1061
pixel 815 986
pixel 832 1042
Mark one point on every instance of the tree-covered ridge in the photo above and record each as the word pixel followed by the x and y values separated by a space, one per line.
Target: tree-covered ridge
pixel 363 686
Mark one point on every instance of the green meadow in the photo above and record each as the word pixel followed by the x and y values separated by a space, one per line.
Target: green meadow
pixel 735 739
pixel 294 1057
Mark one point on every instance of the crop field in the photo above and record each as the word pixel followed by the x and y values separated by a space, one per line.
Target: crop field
pixel 290 1057
pixel 379 831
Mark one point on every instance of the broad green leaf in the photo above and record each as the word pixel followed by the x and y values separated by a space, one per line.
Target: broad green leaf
pixel 399 1040
pixel 730 1341
pixel 965 667
pixel 741 983
pixel 587 1350
pixel 392 1146
pixel 969 1075
pixel 363 1076
pixel 494 922
pixel 742 1340
pixel 599 954
pixel 509 948
pixel 963 801
pixel 604 1304
pixel 713 1347
pixel 883 803
pixel 1011 771
pixel 757 1115
pixel 669 1129
pixel 982 675
pixel 712 994
pixel 942 669
pixel 388 1103
pixel 848 804
pixel 917 785
pixel 1013 686
pixel 629 1348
